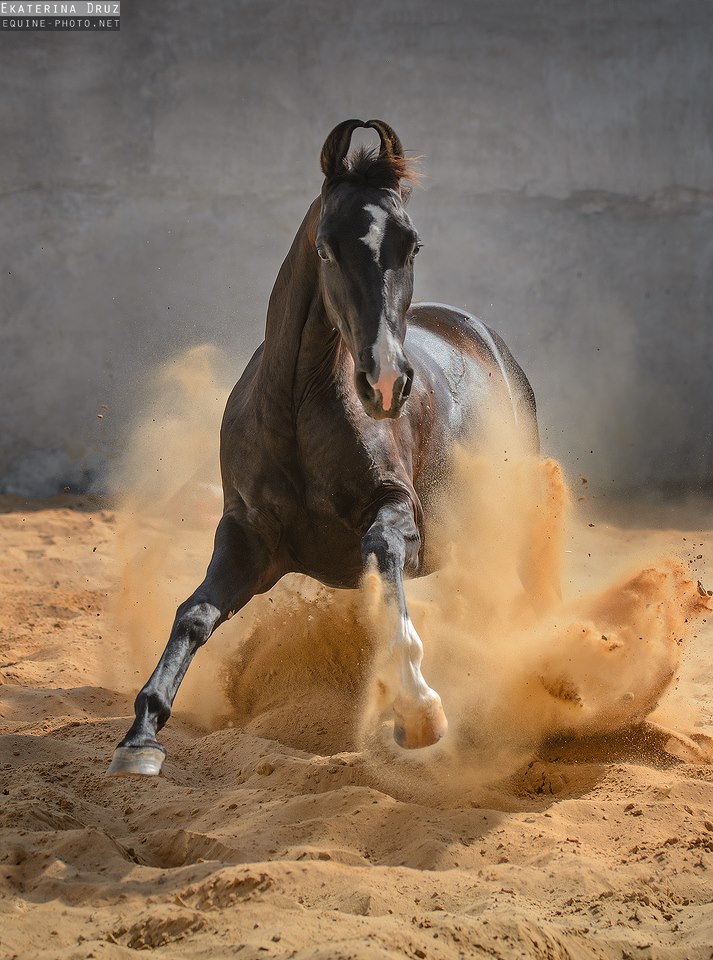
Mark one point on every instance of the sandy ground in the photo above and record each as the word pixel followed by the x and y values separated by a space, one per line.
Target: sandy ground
pixel 259 841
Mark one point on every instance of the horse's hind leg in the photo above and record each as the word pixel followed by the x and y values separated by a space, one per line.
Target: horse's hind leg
pixel 238 569
pixel 393 540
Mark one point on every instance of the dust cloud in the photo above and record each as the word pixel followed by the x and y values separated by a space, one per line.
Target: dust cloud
pixel 516 659
pixel 167 484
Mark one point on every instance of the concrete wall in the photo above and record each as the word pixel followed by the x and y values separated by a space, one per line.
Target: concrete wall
pixel 151 182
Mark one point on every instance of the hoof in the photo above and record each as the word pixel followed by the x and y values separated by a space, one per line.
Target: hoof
pixel 420 729
pixel 136 762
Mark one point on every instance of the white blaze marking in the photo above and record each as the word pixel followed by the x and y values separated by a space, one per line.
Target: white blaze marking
pixel 374 236
pixel 385 354
pixel 386 349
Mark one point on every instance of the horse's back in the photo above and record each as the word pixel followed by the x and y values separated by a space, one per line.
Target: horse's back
pixel 473 362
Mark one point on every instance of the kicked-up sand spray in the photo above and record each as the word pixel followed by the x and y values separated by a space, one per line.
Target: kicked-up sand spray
pixel 514 660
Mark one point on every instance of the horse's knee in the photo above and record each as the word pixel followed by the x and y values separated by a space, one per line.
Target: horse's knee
pixel 196 622
pixel 378 543
pixel 392 548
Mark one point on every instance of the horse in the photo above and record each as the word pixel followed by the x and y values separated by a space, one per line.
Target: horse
pixel 335 440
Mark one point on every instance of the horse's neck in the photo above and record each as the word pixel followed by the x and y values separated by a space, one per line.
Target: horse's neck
pixel 300 344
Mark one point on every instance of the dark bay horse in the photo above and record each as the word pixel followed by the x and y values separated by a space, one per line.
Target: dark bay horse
pixel 338 432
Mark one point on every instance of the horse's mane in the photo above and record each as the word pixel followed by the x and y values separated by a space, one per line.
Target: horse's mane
pixel 369 168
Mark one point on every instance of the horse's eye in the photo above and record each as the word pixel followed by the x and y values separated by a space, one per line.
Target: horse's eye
pixel 323 253
pixel 416 249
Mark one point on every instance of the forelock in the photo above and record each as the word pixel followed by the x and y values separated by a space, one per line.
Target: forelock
pixel 368 167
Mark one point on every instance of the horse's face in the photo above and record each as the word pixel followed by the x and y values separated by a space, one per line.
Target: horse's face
pixel 367 244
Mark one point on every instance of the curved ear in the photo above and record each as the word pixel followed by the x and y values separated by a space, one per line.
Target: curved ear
pixel 336 147
pixel 390 143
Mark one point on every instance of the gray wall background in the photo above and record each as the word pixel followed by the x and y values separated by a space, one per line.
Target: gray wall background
pixel 568 201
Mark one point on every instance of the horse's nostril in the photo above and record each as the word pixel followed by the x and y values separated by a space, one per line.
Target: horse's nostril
pixel 363 386
pixel 408 383
pixel 402 388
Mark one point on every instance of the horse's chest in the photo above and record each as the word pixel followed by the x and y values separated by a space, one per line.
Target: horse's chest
pixel 336 497
pixel 337 482
pixel 324 538
pixel 340 469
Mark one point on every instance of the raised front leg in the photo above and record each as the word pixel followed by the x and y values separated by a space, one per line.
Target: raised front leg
pixel 239 568
pixel 393 541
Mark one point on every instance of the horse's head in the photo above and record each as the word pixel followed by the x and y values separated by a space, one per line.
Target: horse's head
pixel 366 244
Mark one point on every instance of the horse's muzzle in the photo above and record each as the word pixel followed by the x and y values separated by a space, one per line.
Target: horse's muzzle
pixel 375 404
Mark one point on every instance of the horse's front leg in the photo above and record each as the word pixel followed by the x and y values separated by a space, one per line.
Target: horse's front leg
pixel 239 568
pixel 394 542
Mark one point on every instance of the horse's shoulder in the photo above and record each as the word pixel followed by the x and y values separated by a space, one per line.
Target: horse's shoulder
pixel 245 384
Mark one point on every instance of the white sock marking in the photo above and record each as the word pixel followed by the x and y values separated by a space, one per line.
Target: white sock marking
pixel 406 653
